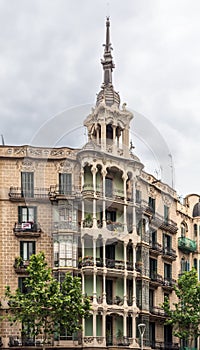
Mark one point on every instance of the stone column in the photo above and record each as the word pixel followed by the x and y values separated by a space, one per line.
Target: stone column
pixel 94 325
pixel 94 171
pixel 104 172
pixel 104 288
pixel 125 324
pixel 125 274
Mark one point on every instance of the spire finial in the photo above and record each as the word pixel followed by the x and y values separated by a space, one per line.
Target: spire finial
pixel 107 62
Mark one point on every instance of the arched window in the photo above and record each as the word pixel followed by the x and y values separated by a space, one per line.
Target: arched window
pixel 183 229
pixel 195 230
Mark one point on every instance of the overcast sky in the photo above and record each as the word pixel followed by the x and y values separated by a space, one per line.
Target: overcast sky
pixel 50 53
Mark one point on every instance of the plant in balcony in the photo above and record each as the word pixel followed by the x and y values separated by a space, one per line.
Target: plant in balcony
pixel 119 337
pixel 18 262
pixel 88 222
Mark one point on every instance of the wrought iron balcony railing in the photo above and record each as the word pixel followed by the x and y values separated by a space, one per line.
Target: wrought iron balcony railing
pixel 17 193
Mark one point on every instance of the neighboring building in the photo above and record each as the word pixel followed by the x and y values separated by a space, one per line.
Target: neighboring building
pixel 97 213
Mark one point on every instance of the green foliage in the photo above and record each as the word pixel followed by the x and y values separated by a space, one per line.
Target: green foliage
pixel 184 315
pixel 48 305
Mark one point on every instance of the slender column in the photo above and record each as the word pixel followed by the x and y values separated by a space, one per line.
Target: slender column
pixel 83 284
pixel 94 325
pixel 125 324
pixel 125 289
pixel 125 177
pixel 94 251
pixel 134 276
pixel 103 136
pixel 104 288
pixel 83 213
pixel 125 275
pixel 104 172
pixel 94 171
pixel 104 327
pixel 104 252
pixel 83 247
pixel 134 209
pixel 94 288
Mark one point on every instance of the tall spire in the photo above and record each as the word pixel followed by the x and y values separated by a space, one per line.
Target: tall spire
pixel 107 92
pixel 107 62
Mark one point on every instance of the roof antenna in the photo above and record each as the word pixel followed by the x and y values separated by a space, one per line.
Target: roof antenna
pixel 108 9
pixel 2 140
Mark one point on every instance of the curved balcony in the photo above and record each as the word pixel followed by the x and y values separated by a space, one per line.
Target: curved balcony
pixel 187 245
pixel 58 192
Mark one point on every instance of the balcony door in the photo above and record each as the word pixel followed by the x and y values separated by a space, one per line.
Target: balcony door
pixel 27 184
pixel 65 183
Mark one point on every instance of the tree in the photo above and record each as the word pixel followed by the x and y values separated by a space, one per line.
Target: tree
pixel 184 316
pixel 48 305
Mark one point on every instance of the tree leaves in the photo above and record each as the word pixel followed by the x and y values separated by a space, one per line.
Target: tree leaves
pixel 184 315
pixel 48 305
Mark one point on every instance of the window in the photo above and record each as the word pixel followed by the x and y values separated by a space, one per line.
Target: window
pixel 138 196
pixel 153 268
pixel 21 285
pixel 167 272
pixel 152 204
pixel 166 214
pixel 27 214
pixel 27 184
pixel 27 249
pixel 65 183
pixel 66 251
pixel 151 299
pixel 166 243
pixel 108 187
pixel 153 237
pixel 183 229
pixel 185 265
pixel 195 230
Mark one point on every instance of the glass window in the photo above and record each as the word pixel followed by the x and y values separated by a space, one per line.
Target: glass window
pixel 27 184
pixel 109 187
pixel 167 271
pixel 65 183
pixel 138 196
pixel 66 251
pixel 27 214
pixel 152 204
pixel 27 248
pixel 166 214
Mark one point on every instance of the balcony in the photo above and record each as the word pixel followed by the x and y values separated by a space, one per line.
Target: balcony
pixel 164 224
pixel 187 245
pixel 156 279
pixel 168 283
pixel 17 194
pixel 165 345
pixel 155 248
pixel 115 264
pixel 65 226
pixel 21 265
pixel 169 253
pixel 57 192
pixel 27 229
pixel 157 311
pixel 115 301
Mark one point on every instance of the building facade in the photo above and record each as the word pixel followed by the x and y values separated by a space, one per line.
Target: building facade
pixel 96 213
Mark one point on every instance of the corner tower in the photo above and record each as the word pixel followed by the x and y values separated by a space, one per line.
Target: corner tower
pixel 108 125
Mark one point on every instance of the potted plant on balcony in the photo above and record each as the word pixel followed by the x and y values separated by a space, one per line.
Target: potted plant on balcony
pixel 119 337
pixel 88 220
pixel 18 262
